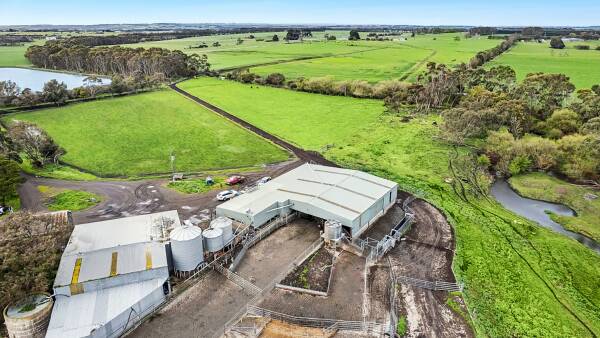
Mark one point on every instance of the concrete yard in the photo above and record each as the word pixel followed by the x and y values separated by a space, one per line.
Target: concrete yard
pixel 204 309
pixel 345 295
pixel 200 311
pixel 271 257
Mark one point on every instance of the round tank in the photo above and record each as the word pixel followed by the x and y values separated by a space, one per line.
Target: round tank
pixel 213 239
pixel 225 224
pixel 333 230
pixel 186 248
pixel 29 317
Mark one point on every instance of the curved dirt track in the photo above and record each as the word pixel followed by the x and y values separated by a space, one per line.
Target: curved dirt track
pixel 303 155
pixel 427 253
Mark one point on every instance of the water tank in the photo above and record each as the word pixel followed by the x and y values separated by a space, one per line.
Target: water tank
pixel 213 239
pixel 225 224
pixel 186 248
pixel 333 230
pixel 29 317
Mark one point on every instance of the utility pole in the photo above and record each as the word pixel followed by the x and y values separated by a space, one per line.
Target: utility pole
pixel 172 158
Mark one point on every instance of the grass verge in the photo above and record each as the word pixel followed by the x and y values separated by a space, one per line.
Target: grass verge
pixel 73 200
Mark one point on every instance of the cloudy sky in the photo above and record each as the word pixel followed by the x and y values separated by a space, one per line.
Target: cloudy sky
pixel 423 12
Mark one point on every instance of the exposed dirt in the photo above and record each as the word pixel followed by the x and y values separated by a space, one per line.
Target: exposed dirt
pixel 343 302
pixel 313 273
pixel 128 198
pixel 427 254
pixel 279 329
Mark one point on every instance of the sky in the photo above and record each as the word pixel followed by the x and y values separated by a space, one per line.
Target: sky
pixel 352 12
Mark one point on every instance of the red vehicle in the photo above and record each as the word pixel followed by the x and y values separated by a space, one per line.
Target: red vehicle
pixel 233 180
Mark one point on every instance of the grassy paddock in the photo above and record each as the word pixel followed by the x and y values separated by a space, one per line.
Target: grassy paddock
pixel 544 187
pixel 520 279
pixel 311 121
pixel 388 60
pixel 582 66
pixel 135 135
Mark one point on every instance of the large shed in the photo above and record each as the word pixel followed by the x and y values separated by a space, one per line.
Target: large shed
pixel 111 274
pixel 351 197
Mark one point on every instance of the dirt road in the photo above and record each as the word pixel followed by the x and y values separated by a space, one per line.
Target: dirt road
pixel 128 198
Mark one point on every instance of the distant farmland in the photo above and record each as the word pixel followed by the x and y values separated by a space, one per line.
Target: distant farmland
pixel 135 135
pixel 391 59
pixel 582 66
pixel 345 60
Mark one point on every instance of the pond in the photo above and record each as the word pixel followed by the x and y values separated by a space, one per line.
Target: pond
pixel 35 79
pixel 537 211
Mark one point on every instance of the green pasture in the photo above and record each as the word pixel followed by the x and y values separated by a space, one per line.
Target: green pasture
pixel 581 66
pixel 13 56
pixel 403 58
pixel 135 135
pixel 308 120
pixel 520 279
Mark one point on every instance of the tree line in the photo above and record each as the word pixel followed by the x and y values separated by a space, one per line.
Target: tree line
pixel 126 62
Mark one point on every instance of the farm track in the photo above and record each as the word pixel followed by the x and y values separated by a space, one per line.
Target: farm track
pixel 303 155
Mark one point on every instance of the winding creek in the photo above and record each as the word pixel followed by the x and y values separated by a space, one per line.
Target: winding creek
pixel 536 211
pixel 35 79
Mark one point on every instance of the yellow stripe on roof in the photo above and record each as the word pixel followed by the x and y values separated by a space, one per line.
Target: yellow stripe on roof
pixel 76 269
pixel 113 264
pixel 148 259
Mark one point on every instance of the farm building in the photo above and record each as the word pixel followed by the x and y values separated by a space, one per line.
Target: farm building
pixel 111 274
pixel 353 198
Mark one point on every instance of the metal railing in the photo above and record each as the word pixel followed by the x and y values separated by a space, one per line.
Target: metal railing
pixel 238 280
pixel 321 323
pixel 431 285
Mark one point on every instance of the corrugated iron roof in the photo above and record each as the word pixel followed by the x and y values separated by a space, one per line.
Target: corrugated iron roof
pixel 344 192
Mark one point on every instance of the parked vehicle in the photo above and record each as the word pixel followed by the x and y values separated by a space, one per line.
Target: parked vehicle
pixel 227 195
pixel 233 180
pixel 264 180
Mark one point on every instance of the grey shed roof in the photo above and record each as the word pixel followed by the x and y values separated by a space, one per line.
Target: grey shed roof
pixel 109 248
pixel 343 192
pixel 79 315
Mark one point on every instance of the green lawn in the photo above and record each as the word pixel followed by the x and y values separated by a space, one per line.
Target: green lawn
pixel 309 120
pixel 543 187
pixel 388 60
pixel 582 66
pixel 135 135
pixel 520 279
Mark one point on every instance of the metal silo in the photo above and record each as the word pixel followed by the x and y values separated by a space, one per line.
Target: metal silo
pixel 213 239
pixel 186 248
pixel 225 224
pixel 333 230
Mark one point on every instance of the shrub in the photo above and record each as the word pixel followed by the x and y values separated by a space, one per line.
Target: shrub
pixel 557 43
pixel 582 47
pixel 519 165
pixel 275 79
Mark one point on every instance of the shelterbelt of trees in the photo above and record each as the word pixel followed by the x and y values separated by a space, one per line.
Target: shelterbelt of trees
pixel 540 123
pixel 129 38
pixel 117 60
